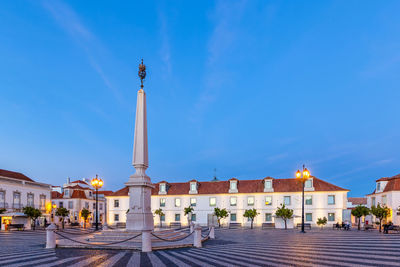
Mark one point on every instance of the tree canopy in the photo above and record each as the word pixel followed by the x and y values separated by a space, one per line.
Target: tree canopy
pixel 62 212
pixel 220 214
pixel 85 215
pixel 160 213
pixel 322 221
pixel 380 212
pixel 284 213
pixel 251 214
pixel 33 214
pixel 360 211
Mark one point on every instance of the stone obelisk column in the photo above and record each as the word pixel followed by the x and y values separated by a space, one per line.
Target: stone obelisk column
pixel 140 217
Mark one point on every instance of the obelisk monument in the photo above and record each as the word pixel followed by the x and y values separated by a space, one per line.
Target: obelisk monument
pixel 140 217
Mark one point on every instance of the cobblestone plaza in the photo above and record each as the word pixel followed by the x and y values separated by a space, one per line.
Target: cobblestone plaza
pixel 239 247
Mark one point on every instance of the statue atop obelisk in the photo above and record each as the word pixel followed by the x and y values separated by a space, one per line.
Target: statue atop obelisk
pixel 140 217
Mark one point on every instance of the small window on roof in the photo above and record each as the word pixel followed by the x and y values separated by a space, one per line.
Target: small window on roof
pixel 193 187
pixel 233 185
pixel 268 184
pixel 162 187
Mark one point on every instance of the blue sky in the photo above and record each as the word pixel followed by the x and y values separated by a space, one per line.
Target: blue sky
pixel 251 88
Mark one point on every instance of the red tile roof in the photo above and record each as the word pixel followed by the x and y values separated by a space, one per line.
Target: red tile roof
pixel 244 186
pixel 78 194
pixel 15 175
pixel 79 182
pixel 393 183
pixel 76 187
pixel 122 192
pixel 55 195
pixel 106 193
pixel 357 200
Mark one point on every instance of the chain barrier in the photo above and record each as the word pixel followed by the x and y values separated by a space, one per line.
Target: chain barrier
pixel 97 244
pixel 208 234
pixel 172 240
pixel 81 233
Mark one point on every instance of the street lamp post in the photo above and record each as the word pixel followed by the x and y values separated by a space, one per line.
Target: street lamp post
pixel 302 177
pixel 97 183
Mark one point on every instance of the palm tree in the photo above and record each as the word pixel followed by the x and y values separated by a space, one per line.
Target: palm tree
pixel 85 215
pixel 188 212
pixel 160 213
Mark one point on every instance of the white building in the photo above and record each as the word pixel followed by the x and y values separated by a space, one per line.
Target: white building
pixel 18 191
pixel 322 199
pixel 77 195
pixel 387 192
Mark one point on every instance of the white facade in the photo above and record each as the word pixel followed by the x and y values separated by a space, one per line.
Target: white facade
pixel 318 204
pixel 387 192
pixel 18 191
pixel 76 196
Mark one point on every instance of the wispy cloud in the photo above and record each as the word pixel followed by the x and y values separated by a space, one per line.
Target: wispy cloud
pixel 69 20
pixel 226 16
pixel 165 51
pixel 365 167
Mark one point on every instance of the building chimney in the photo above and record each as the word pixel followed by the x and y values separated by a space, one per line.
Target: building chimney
pixel 68 180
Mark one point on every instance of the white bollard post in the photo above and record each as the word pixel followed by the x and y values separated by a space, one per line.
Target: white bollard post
pixel 146 241
pixel 51 236
pixel 212 233
pixel 197 237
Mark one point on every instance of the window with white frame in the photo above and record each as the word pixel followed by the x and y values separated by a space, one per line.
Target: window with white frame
pixel 70 204
pixel 308 200
pixel 378 186
pixel 17 200
pixel 233 217
pixel 30 200
pixel 384 200
pixel 268 184
pixel 116 217
pixel 250 201
pixel 268 200
pixel 87 205
pixel 61 204
pixel 287 200
pixel 268 217
pixel 101 206
pixel 309 217
pixel 163 188
pixel 213 201
pixel 193 202
pixel 42 201
pixel 233 201
pixel 193 219
pixel 233 185
pixel 90 193
pixel 162 202
pixel 193 186
pixel 177 217
pixel 331 199
pixel 2 199
pixel 66 192
pixel 373 201
pixel 116 203
pixel 177 202
pixel 331 217
pixel 308 183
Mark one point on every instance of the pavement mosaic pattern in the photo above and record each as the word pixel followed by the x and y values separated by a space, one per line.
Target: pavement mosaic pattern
pixel 231 248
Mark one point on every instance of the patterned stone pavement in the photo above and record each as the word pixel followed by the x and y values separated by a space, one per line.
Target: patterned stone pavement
pixel 231 248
